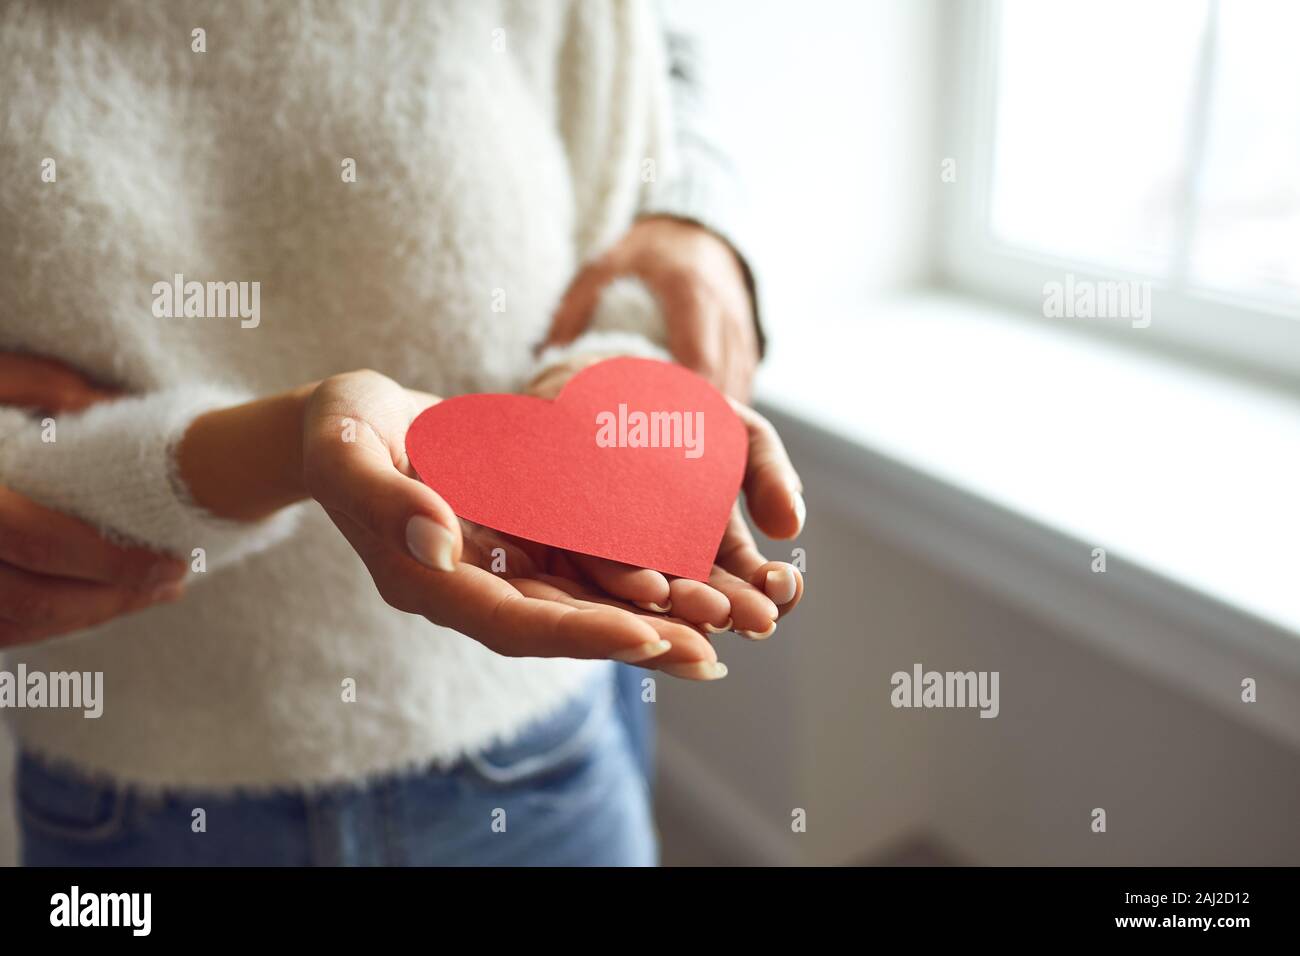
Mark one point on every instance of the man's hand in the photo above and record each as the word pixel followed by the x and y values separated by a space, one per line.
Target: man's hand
pixel 701 288
pixel 58 574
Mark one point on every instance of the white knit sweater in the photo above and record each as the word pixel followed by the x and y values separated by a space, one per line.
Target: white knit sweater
pixel 496 144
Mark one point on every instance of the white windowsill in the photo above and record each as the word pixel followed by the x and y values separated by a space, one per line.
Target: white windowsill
pixel 1009 449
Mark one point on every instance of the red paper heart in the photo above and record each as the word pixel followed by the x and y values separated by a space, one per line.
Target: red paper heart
pixel 544 470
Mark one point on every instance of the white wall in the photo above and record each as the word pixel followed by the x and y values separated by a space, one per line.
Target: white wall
pixel 804 720
pixel 828 107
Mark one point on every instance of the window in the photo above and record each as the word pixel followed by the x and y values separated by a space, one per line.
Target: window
pixel 1153 141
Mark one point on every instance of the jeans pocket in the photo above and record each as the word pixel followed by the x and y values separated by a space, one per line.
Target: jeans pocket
pixel 555 746
pixel 58 805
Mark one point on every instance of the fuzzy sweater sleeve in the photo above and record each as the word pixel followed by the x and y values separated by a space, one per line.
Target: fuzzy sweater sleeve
pixel 114 466
pixel 626 321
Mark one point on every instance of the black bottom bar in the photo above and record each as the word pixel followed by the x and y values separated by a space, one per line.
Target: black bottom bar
pixel 334 906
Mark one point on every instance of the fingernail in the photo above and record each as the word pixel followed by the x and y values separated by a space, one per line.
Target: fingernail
pixel 651 606
pixel 166 593
pixel 697 670
pixel 710 629
pixel 759 635
pixel 780 585
pixel 634 655
pixel 800 511
pixel 430 543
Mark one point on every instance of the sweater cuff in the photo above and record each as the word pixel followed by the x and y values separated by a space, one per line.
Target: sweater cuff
pixel 114 466
pixel 626 321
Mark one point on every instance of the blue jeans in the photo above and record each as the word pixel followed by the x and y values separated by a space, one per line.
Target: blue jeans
pixel 638 716
pixel 567 792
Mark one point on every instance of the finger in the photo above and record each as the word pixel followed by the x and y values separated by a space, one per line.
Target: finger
pixel 560 564
pixel 781 582
pixel 501 615
pixel 721 333
pixel 497 614
pixel 675 644
pixel 688 643
pixel 738 554
pixel 740 353
pixel 737 551
pixel 739 343
pixel 643 587
pixel 574 312
pixel 38 539
pixel 773 491
pixel 42 606
pixel 700 604
pixel 494 612
pixel 753 613
pixel 489 551
pixel 731 380
pixel 33 382
pixel 693 321
pixel 691 656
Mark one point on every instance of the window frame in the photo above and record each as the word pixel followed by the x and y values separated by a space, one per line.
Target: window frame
pixel 1255 337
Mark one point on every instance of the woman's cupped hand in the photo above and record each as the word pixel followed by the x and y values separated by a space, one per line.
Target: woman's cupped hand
pixel 520 598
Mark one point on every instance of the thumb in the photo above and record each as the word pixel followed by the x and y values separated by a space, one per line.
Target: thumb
pixel 404 513
pixel 773 491
pixel 354 470
pixel 574 312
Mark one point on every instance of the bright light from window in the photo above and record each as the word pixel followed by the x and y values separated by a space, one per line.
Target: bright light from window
pixel 1160 137
pixel 1247 233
